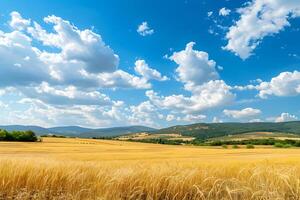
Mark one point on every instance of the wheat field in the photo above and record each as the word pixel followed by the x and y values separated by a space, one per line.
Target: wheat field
pixel 99 169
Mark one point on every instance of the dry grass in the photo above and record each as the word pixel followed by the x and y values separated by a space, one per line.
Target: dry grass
pixel 91 169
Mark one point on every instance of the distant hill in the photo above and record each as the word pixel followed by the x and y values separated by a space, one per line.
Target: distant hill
pixel 69 130
pixel 116 131
pixel 200 130
pixel 77 131
pixel 210 130
pixel 37 129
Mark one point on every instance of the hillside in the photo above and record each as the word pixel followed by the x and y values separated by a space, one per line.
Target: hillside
pixel 115 131
pixel 77 131
pixel 206 130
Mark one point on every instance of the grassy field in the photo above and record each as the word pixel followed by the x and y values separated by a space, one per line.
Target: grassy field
pixel 59 168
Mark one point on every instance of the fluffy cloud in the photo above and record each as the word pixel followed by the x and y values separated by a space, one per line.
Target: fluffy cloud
pixel 259 19
pixel 143 69
pixel 194 67
pixel 285 84
pixel 80 59
pixel 192 118
pixel 200 78
pixel 170 117
pixel 145 113
pixel 144 30
pixel 284 117
pixel 85 47
pixel 209 95
pixel 242 114
pixel 17 22
pixel 61 84
pixel 66 96
pixel 224 11
pixel 19 61
pixel 38 112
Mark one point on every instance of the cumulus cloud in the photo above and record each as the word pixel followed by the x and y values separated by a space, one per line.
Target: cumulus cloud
pixel 144 29
pixel 258 19
pixel 81 58
pixel 209 95
pixel 82 46
pixel 194 67
pixel 242 114
pixel 61 85
pixel 285 117
pixel 15 47
pixel 170 117
pixel 66 96
pixel 18 22
pixel 224 11
pixel 192 118
pixel 145 113
pixel 285 84
pixel 143 69
pixel 199 76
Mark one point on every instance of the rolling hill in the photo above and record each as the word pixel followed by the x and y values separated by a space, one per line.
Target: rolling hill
pixel 210 130
pixel 199 130
pixel 77 131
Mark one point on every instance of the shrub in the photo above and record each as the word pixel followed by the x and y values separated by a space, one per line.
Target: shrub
pixel 297 144
pixel 235 146
pixel 25 136
pixel 278 145
pixel 224 146
pixel 250 146
pixel 287 145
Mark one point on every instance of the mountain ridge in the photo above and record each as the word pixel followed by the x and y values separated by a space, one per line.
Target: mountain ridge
pixel 78 131
pixel 197 130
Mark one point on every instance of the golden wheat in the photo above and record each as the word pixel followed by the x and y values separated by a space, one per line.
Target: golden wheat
pixel 91 169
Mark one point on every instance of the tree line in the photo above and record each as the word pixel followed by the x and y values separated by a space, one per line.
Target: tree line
pixel 22 136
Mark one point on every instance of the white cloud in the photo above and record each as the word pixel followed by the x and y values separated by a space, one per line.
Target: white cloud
pixel 194 68
pixel 255 120
pixel 216 120
pixel 208 95
pixel 285 84
pixel 199 76
pixel 259 19
pixel 170 117
pixel 144 29
pixel 224 11
pixel 81 59
pixel 3 105
pixel 69 95
pixel 117 79
pixel 143 69
pixel 17 22
pixel 192 118
pixel 83 46
pixel 284 117
pixel 40 113
pixel 145 113
pixel 210 13
pixel 242 114
pixel 61 85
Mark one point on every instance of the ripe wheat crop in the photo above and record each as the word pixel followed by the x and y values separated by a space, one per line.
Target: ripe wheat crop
pixel 90 169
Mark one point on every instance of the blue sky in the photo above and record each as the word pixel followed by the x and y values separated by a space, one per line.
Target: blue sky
pixel 154 63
